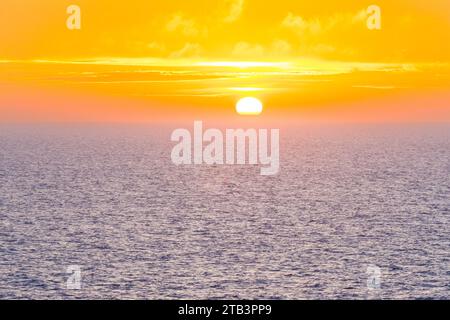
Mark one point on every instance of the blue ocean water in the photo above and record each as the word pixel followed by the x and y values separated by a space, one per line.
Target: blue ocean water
pixel 108 199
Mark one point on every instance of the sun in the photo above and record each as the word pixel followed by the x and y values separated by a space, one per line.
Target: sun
pixel 249 106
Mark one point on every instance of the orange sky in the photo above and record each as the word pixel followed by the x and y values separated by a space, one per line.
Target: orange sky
pixel 141 60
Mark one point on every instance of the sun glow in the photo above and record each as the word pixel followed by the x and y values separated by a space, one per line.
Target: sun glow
pixel 249 106
pixel 244 64
pixel 246 89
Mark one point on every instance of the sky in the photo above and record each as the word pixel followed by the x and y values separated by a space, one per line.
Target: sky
pixel 144 61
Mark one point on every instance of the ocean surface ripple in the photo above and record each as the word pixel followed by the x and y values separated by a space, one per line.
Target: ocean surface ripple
pixel 109 200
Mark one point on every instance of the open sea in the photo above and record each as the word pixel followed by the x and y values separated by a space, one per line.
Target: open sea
pixel 107 201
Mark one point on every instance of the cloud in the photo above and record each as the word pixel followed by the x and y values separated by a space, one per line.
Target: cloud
pixel 281 48
pixel 188 51
pixel 246 50
pixel 179 23
pixel 300 25
pixel 320 26
pixel 326 36
pixel 278 48
pixel 235 8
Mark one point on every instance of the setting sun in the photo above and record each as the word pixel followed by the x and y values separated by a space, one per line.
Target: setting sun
pixel 249 106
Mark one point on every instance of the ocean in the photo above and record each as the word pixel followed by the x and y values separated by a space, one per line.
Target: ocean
pixel 108 201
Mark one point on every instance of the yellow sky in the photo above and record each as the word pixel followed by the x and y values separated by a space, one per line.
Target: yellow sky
pixel 140 59
pixel 413 30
